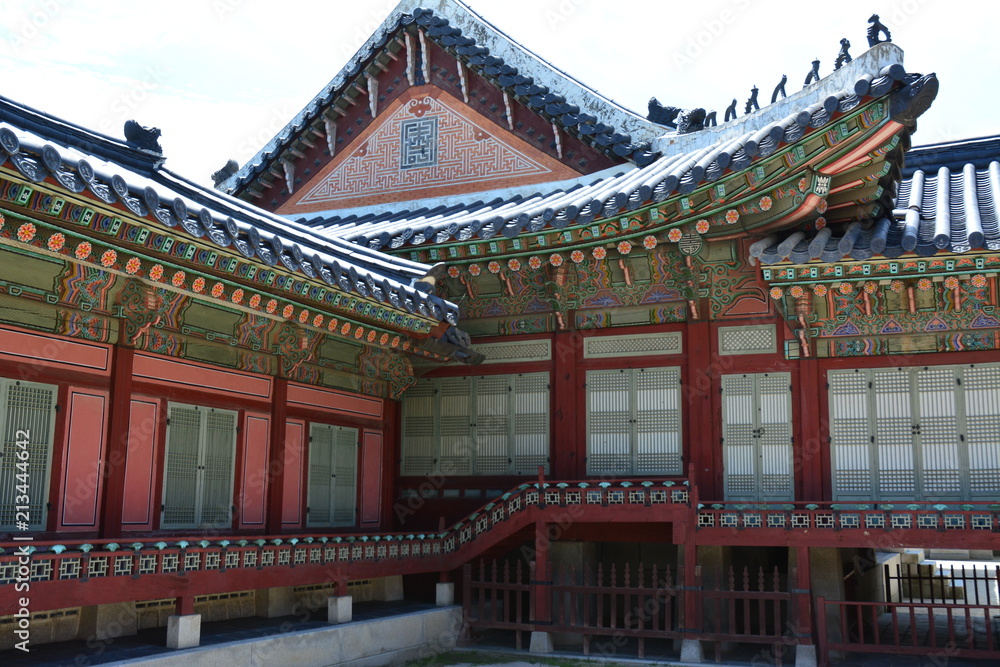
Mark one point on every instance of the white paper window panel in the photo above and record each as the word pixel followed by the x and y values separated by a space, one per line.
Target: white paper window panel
pixel 634 421
pixel 199 466
pixel 927 433
pixel 26 407
pixel 757 437
pixel 488 425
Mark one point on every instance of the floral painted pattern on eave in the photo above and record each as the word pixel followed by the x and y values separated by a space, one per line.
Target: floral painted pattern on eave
pixel 880 307
pixel 43 239
pixel 181 250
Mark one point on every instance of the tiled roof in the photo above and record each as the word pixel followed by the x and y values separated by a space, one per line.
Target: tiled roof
pixel 979 152
pixel 456 28
pixel 629 189
pixel 945 206
pixel 40 146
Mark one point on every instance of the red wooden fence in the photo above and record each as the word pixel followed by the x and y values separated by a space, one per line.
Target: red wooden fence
pixel 755 611
pixel 616 603
pixel 622 602
pixel 498 597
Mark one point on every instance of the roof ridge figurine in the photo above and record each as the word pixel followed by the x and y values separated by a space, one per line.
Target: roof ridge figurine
pixel 661 115
pixel 875 29
pixel 143 138
pixel 813 73
pixel 752 102
pixel 843 57
pixel 780 88
pixel 691 120
pixel 730 111
pixel 223 174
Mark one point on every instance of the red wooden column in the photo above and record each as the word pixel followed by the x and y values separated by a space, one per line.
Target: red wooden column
pixel 803 597
pixel 568 451
pixel 113 500
pixel 184 605
pixel 391 456
pixel 809 450
pixel 540 587
pixel 697 396
pixel 276 456
pixel 692 590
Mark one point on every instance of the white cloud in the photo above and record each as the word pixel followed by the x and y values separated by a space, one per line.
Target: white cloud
pixel 220 77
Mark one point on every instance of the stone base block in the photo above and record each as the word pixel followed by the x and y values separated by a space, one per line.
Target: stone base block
pixel 691 651
pixel 274 602
pixel 184 631
pixel 805 655
pixel 444 595
pixel 392 588
pixel 541 642
pixel 339 609
pixel 108 621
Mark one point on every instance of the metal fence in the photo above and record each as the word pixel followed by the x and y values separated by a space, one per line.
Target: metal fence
pixel 966 584
pixel 943 630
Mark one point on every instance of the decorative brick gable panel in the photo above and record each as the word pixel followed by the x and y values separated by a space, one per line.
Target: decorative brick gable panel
pixel 426 144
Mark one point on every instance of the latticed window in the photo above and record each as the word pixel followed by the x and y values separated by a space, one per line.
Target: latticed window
pixel 333 475
pixel 757 436
pixel 634 421
pixel 490 425
pixel 927 433
pixel 27 424
pixel 198 477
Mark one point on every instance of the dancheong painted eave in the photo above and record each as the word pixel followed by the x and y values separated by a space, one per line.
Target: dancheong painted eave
pixel 46 150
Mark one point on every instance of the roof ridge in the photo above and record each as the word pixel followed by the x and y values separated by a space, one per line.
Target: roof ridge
pixel 77 136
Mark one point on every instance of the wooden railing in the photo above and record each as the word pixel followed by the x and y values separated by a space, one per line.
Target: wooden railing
pixel 976 584
pixel 499 598
pixel 926 523
pixel 173 566
pixel 619 601
pixel 616 602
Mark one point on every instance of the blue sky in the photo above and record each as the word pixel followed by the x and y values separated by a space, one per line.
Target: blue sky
pixel 221 77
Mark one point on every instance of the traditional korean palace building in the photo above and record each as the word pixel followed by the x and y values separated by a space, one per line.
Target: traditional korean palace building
pixel 467 331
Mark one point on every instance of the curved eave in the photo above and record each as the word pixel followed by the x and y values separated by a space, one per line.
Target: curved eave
pixel 716 186
pixel 172 206
pixel 937 212
pixel 167 200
